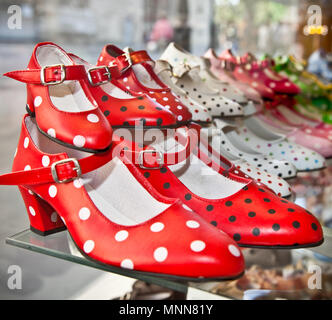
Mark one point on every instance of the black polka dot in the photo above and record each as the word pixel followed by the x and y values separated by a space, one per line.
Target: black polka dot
pixel 291 210
pixel 126 123
pixel 289 172
pixel 245 188
pixel 314 226
pixel 123 109
pixel 228 203
pixel 141 107
pixel 271 211
pixel 140 98
pixel 159 108
pixel 214 223
pixel 267 200
pixel 248 200
pixel 276 227
pixel 209 207
pixel 146 174
pixel 106 113
pixel 232 219
pixel 284 201
pixel 279 175
pixel 252 214
pixel 104 98
pixel 159 121
pixel 237 237
pixel 163 170
pixel 187 196
pixel 256 232
pixel 296 224
pixel 166 185
pixel 261 190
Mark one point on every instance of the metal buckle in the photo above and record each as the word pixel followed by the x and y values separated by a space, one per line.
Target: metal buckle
pixel 107 73
pixel 128 59
pixel 62 72
pixel 141 159
pixel 77 168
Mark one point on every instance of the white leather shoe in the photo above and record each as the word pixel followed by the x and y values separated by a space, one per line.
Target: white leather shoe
pixel 164 71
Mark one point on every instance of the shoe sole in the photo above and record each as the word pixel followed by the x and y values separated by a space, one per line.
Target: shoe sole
pixel 287 247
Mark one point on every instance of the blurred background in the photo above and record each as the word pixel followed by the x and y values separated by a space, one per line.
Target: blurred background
pixel 84 27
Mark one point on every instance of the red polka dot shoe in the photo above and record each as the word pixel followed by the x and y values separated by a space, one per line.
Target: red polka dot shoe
pixel 121 108
pixel 261 70
pixel 113 214
pixel 59 98
pixel 251 214
pixel 242 74
pixel 138 77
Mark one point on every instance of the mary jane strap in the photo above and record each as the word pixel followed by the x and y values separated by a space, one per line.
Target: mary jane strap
pixel 62 171
pixel 56 74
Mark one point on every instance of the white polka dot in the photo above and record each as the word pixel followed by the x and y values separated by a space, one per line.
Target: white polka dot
pixel 234 250
pixel 52 191
pixel 121 235
pixel 79 141
pixel 187 208
pixel 256 75
pixel 157 227
pixel 54 217
pixel 308 131
pixel 127 264
pixel 84 213
pixel 93 118
pixel 51 132
pixel 287 84
pixel 45 161
pixel 164 92
pixel 272 85
pixel 197 246
pixel 151 92
pixel 26 142
pixel 125 79
pixel 32 211
pixel 77 183
pixel 165 99
pixel 101 58
pixel 179 107
pixel 37 102
pixel 160 254
pixel 167 107
pixel 240 70
pixel 26 168
pixel 192 224
pixel 128 88
pixel 236 172
pixel 255 84
pixel 88 246
pixel 30 192
pixel 180 118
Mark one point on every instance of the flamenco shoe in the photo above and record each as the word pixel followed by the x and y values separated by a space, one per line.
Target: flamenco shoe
pixel 243 75
pixel 223 69
pixel 119 107
pixel 62 188
pixel 59 98
pixel 178 57
pixel 199 113
pixel 247 211
pixel 137 78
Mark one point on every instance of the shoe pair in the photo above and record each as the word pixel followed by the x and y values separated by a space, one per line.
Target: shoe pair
pixel 137 206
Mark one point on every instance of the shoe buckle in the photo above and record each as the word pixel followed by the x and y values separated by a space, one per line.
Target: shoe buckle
pixel 128 59
pixel 62 73
pixel 141 159
pixel 77 168
pixel 107 73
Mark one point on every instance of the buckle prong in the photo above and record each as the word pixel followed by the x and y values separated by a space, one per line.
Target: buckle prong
pixel 107 73
pixel 62 73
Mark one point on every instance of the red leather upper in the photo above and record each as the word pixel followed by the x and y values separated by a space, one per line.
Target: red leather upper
pixel 129 80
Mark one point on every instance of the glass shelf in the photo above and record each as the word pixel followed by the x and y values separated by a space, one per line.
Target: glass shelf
pixel 60 245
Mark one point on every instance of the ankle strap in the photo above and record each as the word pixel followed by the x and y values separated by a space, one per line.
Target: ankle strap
pixel 127 60
pixel 62 171
pixel 56 74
